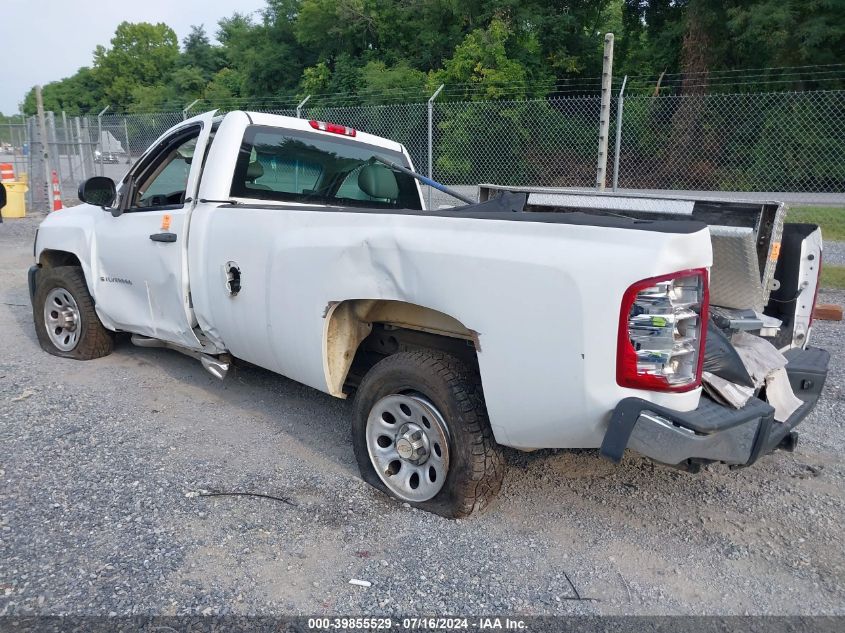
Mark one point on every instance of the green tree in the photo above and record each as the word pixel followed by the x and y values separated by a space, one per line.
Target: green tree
pixel 141 55
pixel 336 26
pixel 397 83
pixel 316 79
pixel 199 53
pixel 653 31
pixel 224 86
pixel 482 68
pixel 786 32
pixel 234 34
pixel 482 49
pixel 156 98
pixel 188 82
pixel 79 93
pixel 706 36
pixel 266 55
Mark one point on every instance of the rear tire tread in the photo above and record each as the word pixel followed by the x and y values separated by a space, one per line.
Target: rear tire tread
pixel 485 460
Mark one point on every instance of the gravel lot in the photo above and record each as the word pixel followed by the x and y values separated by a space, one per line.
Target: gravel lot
pixel 834 253
pixel 101 464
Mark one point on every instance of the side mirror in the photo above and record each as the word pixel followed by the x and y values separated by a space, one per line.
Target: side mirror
pixel 2 195
pixel 98 190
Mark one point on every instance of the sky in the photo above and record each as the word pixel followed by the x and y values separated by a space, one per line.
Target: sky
pixel 46 40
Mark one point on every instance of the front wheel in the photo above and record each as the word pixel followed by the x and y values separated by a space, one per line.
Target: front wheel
pixel 421 434
pixel 65 320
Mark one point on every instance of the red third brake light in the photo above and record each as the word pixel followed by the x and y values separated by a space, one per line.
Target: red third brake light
pixel 662 325
pixel 334 128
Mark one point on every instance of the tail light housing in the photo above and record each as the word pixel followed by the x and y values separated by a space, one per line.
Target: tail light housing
pixel 662 325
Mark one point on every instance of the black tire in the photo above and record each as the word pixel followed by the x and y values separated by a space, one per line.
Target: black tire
pixel 476 462
pixel 94 341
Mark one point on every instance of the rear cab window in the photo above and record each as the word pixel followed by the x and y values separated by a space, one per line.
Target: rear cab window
pixel 293 166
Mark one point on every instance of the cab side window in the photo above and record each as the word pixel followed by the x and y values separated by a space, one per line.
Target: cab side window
pixel 163 180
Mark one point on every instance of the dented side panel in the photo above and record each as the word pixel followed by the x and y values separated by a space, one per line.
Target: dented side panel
pixel 543 299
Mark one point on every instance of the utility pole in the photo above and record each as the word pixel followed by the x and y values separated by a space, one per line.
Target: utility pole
pixel 100 139
pixel 68 145
pixel 126 133
pixel 14 145
pixel 431 139
pixel 54 140
pixel 27 133
pixel 604 116
pixel 82 153
pixel 45 150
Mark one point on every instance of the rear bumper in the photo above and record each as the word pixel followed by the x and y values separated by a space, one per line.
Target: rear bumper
pixel 712 432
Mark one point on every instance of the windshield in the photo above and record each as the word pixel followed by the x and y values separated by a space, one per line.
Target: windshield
pixel 279 164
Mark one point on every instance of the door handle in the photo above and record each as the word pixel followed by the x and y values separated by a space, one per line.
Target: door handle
pixel 163 237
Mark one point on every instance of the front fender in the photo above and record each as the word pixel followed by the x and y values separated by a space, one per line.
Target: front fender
pixel 70 231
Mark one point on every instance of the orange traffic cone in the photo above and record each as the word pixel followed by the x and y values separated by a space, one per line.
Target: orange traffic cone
pixel 57 193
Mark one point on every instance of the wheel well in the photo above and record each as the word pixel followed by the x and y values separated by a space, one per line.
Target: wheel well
pixel 361 332
pixel 52 259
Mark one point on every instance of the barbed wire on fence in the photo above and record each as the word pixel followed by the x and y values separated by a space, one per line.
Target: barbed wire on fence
pixel 745 80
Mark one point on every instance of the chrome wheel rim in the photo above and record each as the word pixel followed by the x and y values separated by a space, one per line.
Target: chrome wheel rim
pixel 408 444
pixel 62 319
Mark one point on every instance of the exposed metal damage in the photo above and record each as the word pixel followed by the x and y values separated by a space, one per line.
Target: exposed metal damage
pixel 349 322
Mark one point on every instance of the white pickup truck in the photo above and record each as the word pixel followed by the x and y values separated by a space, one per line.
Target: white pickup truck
pixel 305 248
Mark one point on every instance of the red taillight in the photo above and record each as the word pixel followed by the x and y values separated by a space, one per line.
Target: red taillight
pixel 334 128
pixel 662 325
pixel 818 285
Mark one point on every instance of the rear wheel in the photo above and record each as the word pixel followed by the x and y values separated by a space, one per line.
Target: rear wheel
pixel 65 320
pixel 421 434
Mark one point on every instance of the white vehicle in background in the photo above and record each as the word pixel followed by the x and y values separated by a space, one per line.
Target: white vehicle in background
pixel 305 248
pixel 109 158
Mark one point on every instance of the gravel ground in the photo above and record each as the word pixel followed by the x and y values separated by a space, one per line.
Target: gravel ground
pixel 99 512
pixel 834 253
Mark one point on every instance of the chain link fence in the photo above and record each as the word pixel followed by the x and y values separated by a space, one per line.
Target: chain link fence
pixel 549 142
pixel 788 145
pixel 772 142
pixel 735 142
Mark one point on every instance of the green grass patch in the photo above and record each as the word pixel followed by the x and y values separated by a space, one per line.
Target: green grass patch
pixel 833 277
pixel 831 219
